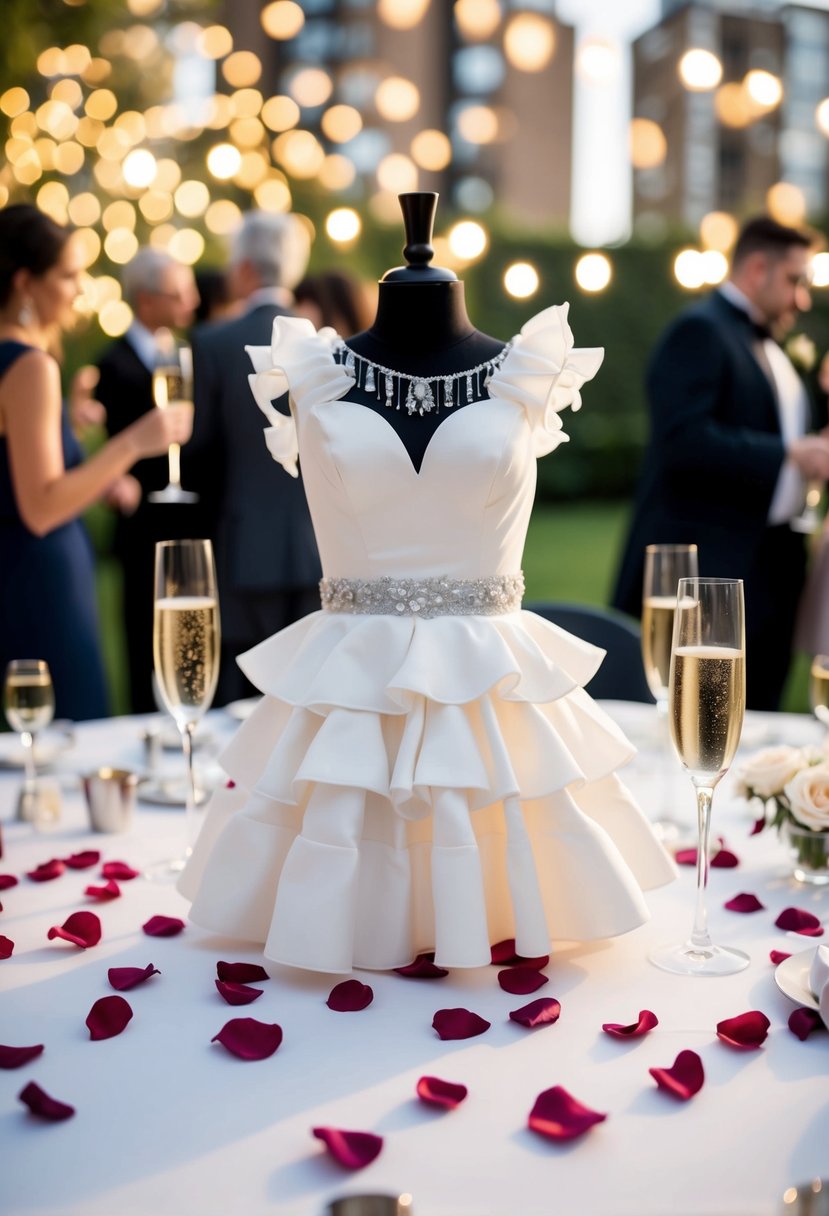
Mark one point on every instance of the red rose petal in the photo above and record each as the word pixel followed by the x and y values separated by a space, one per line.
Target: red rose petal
pixel 118 870
pixel 441 1093
pixel 249 1039
pixel 559 1116
pixel 82 861
pixel 423 968
pixel 14 1057
pixel 458 1024
pixel 40 1104
pixel 542 1012
pixel 163 926
pixel 503 955
pixel 685 857
pixel 241 973
pixel 724 860
pixel 354 1150
pixel 230 784
pixel 6 946
pixel 647 1021
pixel 803 1021
pixel 744 902
pixel 778 956
pixel 746 1030
pixel 798 921
pixel 684 1078
pixel 110 890
pixel 758 826
pixel 237 994
pixel 6 881
pixel 108 1017
pixel 47 871
pixel 81 929
pixel 124 978
pixel 349 997
pixel 520 981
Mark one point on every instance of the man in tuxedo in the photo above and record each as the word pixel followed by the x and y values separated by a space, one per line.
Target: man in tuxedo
pixel 162 295
pixel 266 556
pixel 730 448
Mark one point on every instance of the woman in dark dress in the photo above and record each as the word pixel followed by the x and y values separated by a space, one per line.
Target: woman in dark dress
pixel 47 589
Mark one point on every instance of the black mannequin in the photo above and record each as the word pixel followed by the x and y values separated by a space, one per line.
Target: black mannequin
pixel 421 328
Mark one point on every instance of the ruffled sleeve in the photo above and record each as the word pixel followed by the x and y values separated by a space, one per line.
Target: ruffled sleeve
pixel 298 361
pixel 543 373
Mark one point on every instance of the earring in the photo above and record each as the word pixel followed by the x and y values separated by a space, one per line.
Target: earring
pixel 26 315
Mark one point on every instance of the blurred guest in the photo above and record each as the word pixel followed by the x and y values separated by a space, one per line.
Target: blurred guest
pixel 47 592
pixel 334 298
pixel 813 619
pixel 266 556
pixel 729 449
pixel 215 301
pixel 162 295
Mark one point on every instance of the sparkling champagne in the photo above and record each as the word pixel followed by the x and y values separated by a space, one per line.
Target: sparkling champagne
pixel 819 689
pixel 168 386
pixel 707 707
pixel 657 635
pixel 186 653
pixel 29 700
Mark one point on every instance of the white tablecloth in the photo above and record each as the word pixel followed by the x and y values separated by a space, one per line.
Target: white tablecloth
pixel 169 1124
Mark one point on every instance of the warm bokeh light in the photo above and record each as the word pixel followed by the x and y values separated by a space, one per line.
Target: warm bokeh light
pixel 108 175
pixel 343 225
pixel 648 146
pixel 168 174
pixel 156 206
pixel 253 169
pixel 311 87
pixel 121 245
pixel 521 280
pixel 529 42
pixel 134 124
pixel 14 101
pixel 113 144
pixel 820 270
pixel 273 195
pixel 786 203
pixel 822 116
pixel 733 105
pixel 593 271
pixel 468 240
pixel 397 173
pixel 597 61
pixel 140 168
pixel 431 150
pixel 222 217
pixel 280 113
pixel 402 14
pixel 161 236
pixel 247 132
pixel 245 103
pixel 478 124
pixel 96 71
pixel 242 69
pixel 192 198
pixel 299 152
pixel 341 123
pixel 53 198
pixel 714 266
pixel 120 214
pixel 145 8
pixel 140 41
pixel 477 20
pixel 69 158
pixel 67 91
pixel 186 245
pixel 51 62
pixel 115 318
pixel 765 89
pixel 89 242
pixel 215 42
pixel 282 19
pixel 337 172
pixel 101 104
pixel 718 230
pixel 700 70
pixel 397 99
pixel 76 59
pixel 223 160
pixel 84 209
pixel 689 270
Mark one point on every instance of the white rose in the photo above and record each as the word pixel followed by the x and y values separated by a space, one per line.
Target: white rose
pixel 808 795
pixel 767 771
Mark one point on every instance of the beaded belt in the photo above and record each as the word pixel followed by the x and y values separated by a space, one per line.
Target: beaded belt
pixel 424 597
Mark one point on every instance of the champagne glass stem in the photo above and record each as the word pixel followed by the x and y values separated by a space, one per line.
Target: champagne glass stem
pixel 174 463
pixel 190 805
pixel 700 937
pixel 30 778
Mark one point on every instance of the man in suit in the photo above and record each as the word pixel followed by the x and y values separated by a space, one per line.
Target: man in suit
pixel 730 448
pixel 162 295
pixel 266 556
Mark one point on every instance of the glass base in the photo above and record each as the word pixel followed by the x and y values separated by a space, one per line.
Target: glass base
pixel 687 959
pixel 173 493
pixel 166 871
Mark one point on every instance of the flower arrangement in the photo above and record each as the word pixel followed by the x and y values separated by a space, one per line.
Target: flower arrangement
pixel 792 784
pixel 802 351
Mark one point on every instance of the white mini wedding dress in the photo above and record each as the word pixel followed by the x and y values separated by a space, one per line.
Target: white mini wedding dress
pixel 415 780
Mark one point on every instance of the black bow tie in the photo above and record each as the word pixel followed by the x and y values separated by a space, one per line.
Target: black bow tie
pixel 760 331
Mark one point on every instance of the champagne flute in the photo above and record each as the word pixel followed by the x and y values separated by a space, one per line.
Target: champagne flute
pixel 665 565
pixel 186 639
pixel 819 688
pixel 29 706
pixel 173 385
pixel 706 702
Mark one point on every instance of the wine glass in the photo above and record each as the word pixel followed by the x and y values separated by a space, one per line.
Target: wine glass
pixel 186 640
pixel 819 688
pixel 706 700
pixel 665 565
pixel 173 385
pixel 808 521
pixel 29 706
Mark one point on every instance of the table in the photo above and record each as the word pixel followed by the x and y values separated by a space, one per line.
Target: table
pixel 170 1124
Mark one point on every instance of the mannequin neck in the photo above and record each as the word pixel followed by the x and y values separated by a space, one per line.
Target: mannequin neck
pixel 415 318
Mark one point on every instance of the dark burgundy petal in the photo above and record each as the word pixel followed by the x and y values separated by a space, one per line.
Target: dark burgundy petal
pixel 746 1030
pixel 559 1116
pixel 124 978
pixel 230 784
pixel 109 890
pixel 163 926
pixel 40 1104
pixel 6 946
pixel 803 1021
pixel 542 1012
pixel 758 825
pixel 82 861
pixel 14 1057
pixel 799 921
pixel 778 956
pixel 237 994
pixel 6 881
pixel 349 997
pixel 520 981
pixel 249 1039
pixel 423 968
pixel 118 870
pixel 685 857
pixel 441 1093
pixel 47 871
pixel 725 860
pixel 647 1021
pixel 503 955
pixel 81 929
pixel 684 1078
pixel 354 1150
pixel 744 902
pixel 241 973
pixel 108 1017
pixel 458 1024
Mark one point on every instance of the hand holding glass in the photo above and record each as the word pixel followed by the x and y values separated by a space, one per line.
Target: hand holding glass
pixel 29 706
pixel 706 704
pixel 173 385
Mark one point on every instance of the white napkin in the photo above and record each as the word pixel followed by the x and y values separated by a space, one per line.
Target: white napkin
pixel 819 981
